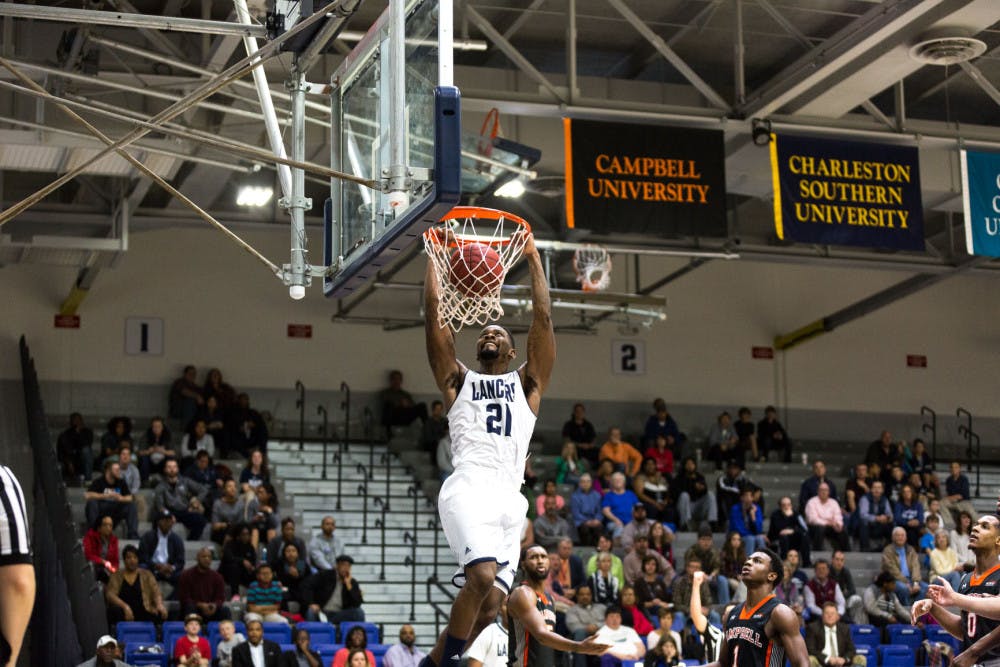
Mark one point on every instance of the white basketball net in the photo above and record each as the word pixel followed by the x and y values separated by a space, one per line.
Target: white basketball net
pixel 593 268
pixel 496 229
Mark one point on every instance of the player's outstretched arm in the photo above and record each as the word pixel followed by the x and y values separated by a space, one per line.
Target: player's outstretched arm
pixel 541 337
pixel 522 607
pixel 786 624
pixel 697 615
pixel 440 341
pixel 943 594
pixel 949 621
pixel 971 655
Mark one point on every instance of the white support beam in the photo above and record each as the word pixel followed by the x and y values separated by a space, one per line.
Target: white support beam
pixel 129 20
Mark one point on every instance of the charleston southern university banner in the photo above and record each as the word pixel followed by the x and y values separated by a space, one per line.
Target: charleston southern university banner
pixel 847 193
pixel 644 179
pixel 981 196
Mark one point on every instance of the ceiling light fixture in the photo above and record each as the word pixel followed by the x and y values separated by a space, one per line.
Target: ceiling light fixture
pixel 512 189
pixel 254 196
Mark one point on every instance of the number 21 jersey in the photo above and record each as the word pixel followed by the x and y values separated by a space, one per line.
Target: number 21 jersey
pixel 490 424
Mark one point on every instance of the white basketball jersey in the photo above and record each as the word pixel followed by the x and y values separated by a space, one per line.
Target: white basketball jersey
pixel 490 425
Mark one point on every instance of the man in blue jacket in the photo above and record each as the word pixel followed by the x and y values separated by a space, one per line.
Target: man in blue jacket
pixel 747 519
pixel 585 506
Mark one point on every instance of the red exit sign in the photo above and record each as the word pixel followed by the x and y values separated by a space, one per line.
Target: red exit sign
pixel 762 352
pixel 67 322
pixel 300 331
pixel 916 361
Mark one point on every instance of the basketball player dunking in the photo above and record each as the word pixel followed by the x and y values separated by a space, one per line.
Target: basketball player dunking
pixel 762 631
pixel 532 619
pixel 976 598
pixel 491 416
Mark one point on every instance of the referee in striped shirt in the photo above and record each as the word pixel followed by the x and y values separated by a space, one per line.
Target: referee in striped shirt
pixel 17 574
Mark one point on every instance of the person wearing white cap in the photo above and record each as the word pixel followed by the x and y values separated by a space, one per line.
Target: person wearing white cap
pixel 107 654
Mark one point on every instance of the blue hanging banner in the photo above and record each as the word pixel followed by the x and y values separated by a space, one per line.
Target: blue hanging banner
pixel 836 192
pixel 981 197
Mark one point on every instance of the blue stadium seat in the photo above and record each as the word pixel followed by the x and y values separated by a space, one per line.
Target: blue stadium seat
pixel 866 635
pixel 371 631
pixel 936 633
pixel 140 659
pixel 892 655
pixel 690 663
pixel 135 632
pixel 287 647
pixel 319 633
pixel 379 649
pixel 172 631
pixel 906 635
pixel 279 633
pixel 327 651
pixel 871 659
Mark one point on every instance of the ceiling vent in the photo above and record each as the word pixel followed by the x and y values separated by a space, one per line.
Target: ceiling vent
pixel 947 50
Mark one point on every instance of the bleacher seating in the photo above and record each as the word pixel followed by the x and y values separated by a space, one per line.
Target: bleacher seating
pixel 371 631
pixel 866 635
pixel 905 635
pixel 938 634
pixel 138 659
pixel 326 651
pixel 277 632
pixel 132 632
pixel 871 657
pixel 172 631
pixel 319 633
pixel 892 655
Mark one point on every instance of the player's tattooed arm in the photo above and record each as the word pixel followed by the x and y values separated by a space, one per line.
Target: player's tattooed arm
pixel 448 371
pixel 786 629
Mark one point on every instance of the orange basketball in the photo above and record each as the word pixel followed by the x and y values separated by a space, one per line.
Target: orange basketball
pixel 476 270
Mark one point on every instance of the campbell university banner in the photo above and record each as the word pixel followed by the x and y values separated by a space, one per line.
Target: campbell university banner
pixel 644 179
pixel 847 193
pixel 981 196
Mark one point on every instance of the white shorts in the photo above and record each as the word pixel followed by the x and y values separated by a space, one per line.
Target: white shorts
pixel 482 518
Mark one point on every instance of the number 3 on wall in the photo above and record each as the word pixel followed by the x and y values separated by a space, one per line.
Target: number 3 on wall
pixel 628 357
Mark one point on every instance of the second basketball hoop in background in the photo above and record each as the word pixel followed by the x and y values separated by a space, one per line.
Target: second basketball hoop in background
pixel 472 250
pixel 593 268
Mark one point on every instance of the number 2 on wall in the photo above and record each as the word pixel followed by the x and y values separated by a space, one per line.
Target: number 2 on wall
pixel 498 412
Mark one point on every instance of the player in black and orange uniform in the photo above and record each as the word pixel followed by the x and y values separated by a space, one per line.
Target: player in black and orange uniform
pixel 762 631
pixel 976 598
pixel 532 619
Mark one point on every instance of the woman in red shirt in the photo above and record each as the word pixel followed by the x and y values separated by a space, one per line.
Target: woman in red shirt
pixel 192 650
pixel 100 547
pixel 660 452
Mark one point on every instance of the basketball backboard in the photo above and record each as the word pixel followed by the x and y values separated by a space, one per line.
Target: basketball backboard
pixel 363 232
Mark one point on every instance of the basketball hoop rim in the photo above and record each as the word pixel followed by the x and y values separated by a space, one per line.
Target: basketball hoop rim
pixel 476 213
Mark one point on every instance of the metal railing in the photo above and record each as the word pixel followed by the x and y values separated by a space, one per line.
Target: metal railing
pixel 439 613
pixel 300 403
pixel 930 427
pixel 380 524
pixel 321 410
pixel 973 452
pixel 363 492
pixel 366 423
pixel 411 536
pixel 345 405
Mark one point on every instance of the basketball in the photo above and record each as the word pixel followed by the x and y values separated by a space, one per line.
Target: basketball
pixel 476 270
